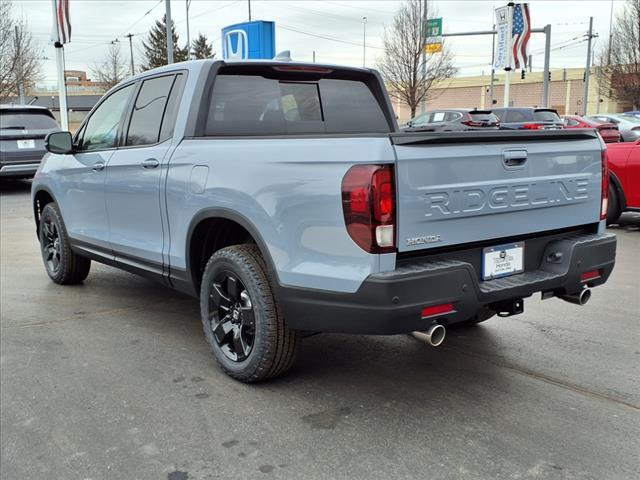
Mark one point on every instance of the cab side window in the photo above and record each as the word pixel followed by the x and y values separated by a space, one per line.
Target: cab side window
pixel 101 130
pixel 148 111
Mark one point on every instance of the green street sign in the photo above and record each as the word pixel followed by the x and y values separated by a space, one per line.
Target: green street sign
pixel 434 27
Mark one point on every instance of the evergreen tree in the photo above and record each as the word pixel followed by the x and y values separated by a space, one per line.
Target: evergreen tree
pixel 201 48
pixel 155 48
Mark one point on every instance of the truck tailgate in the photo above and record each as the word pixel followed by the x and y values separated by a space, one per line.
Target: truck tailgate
pixel 457 188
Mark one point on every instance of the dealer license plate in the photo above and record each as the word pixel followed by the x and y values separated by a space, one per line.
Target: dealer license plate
pixel 26 143
pixel 502 260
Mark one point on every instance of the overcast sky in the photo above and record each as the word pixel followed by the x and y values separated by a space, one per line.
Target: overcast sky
pixel 334 29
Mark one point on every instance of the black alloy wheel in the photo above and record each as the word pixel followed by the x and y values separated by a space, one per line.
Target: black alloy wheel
pixel 231 316
pixel 51 246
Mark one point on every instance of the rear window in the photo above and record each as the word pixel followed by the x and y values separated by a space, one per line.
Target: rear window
pixel 25 120
pixel 545 116
pixel 484 117
pixel 256 105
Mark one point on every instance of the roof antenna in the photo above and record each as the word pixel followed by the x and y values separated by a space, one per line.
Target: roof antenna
pixel 284 56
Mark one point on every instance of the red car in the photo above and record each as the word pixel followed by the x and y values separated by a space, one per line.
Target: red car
pixel 608 131
pixel 624 175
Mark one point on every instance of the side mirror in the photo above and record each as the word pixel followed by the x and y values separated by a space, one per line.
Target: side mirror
pixel 59 142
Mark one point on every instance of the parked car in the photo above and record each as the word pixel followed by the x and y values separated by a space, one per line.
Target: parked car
pixel 608 131
pixel 22 132
pixel 452 120
pixel 629 125
pixel 634 113
pixel 624 171
pixel 284 196
pixel 518 118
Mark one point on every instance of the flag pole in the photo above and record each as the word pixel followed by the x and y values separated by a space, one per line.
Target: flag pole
pixel 507 73
pixel 62 89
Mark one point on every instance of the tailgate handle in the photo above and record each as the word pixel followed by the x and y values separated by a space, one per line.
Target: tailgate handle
pixel 514 158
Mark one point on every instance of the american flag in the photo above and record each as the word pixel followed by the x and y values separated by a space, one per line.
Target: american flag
pixel 520 34
pixel 61 22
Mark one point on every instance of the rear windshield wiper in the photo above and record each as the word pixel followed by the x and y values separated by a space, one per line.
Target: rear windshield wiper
pixel 14 127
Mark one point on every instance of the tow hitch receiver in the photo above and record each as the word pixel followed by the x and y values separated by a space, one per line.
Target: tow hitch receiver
pixel 506 308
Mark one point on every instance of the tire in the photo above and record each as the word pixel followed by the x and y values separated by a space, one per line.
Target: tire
pixel 242 322
pixel 63 266
pixel 613 208
pixel 482 316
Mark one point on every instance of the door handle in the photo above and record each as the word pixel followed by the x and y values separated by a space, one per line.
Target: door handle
pixel 98 166
pixel 514 158
pixel 150 163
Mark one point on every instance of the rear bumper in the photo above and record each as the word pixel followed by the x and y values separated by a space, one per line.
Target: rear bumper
pixel 392 302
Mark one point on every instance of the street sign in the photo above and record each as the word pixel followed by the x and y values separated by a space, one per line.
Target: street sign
pixel 433 35
pixel 434 27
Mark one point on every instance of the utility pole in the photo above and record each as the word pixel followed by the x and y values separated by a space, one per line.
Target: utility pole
pixel 169 33
pixel 423 104
pixel 249 5
pixel 547 55
pixel 188 3
pixel 610 34
pixel 364 41
pixel 314 56
pixel 133 70
pixel 585 97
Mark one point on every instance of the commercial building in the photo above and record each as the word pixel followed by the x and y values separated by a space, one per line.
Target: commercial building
pixel 566 93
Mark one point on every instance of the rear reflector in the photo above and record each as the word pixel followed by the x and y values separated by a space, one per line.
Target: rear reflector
pixel 590 275
pixel 437 310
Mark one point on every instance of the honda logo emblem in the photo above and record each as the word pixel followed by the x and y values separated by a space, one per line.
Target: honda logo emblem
pixel 241 51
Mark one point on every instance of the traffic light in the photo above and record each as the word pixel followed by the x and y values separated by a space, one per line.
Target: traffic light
pixel 549 78
pixel 522 75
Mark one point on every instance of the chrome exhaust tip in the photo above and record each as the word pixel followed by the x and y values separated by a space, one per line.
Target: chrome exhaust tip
pixel 580 298
pixel 434 335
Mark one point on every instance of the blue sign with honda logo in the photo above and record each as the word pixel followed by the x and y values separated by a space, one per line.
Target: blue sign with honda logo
pixel 249 40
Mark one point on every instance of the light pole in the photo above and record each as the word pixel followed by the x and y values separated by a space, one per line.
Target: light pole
pixel 364 41
pixel 249 5
pixel 169 33
pixel 188 3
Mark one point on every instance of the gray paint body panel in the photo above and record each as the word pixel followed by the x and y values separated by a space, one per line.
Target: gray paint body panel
pixel 449 194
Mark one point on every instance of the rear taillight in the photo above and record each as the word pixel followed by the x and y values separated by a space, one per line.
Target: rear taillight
pixel 605 185
pixel 533 126
pixel 369 205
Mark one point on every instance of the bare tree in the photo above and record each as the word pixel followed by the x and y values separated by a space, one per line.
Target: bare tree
pixel 620 58
pixel 113 69
pixel 20 62
pixel 401 64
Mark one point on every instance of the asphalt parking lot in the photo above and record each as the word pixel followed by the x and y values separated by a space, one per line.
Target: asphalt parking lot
pixel 113 379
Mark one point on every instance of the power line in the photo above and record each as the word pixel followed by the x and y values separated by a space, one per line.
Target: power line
pixel 326 37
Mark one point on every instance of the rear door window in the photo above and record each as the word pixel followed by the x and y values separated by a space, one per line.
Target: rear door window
pixel 26 120
pixel 256 105
pixel 148 111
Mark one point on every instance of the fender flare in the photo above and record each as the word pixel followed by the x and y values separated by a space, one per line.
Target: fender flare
pixel 613 178
pixel 244 222
pixel 34 194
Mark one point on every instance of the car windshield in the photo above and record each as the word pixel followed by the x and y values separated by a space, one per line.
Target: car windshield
pixel 546 116
pixel 26 120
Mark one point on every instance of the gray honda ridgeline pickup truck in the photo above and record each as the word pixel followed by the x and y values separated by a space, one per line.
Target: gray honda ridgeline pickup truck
pixel 284 196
